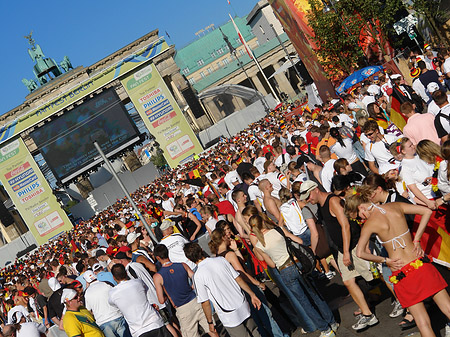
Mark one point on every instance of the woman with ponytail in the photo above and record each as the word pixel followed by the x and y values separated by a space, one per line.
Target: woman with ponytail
pixel 271 248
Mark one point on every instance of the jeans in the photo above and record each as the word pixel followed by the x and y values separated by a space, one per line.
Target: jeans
pixel 316 315
pixel 263 318
pixel 116 328
pixel 306 237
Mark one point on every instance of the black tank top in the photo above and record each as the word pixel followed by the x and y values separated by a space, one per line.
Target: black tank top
pixel 335 229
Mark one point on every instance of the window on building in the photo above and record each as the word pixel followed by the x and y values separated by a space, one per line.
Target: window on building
pixel 261 29
pixel 219 65
pixel 238 41
pixel 200 62
pixel 191 80
pixel 213 54
pixel 225 61
pixel 257 43
pixel 186 71
pixel 242 51
pixel 210 70
pixel 202 74
pixel 220 51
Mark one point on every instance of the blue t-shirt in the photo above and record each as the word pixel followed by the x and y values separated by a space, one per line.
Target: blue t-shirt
pixel 106 276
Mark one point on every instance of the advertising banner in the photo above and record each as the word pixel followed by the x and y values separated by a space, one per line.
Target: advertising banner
pixel 67 98
pixel 162 115
pixel 30 192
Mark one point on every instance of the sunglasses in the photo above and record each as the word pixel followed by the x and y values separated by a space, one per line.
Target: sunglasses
pixel 369 134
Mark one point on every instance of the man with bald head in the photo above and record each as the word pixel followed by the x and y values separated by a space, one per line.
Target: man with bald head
pixel 271 203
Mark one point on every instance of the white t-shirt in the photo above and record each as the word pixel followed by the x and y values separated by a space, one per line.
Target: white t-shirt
pixel 346 151
pixel 18 308
pixel 255 194
pixel 326 174
pixel 231 176
pixel 379 153
pixel 175 244
pixel 215 280
pixel 129 297
pixel 420 90
pixel 433 107
pixel 345 120
pixel 259 164
pixel 137 269
pixel 96 300
pixel 446 65
pixel 31 329
pixel 367 100
pixel 211 223
pixel 168 204
pixel 293 218
pixel 279 161
pixel 416 171
pixel 443 183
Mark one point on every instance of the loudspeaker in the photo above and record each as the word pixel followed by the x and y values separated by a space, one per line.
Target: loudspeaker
pixel 5 217
pixel 192 101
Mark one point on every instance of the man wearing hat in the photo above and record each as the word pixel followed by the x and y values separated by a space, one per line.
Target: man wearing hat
pixel 102 274
pixel 175 243
pixel 139 255
pixel 108 317
pixel 417 85
pixel 77 320
pixel 433 108
pixel 20 305
pixel 345 236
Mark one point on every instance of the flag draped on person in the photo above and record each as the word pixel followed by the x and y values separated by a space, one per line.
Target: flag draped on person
pixel 397 99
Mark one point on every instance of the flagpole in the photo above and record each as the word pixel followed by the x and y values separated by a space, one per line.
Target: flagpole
pixel 252 56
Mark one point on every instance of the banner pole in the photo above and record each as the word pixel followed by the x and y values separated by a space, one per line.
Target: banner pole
pixel 122 186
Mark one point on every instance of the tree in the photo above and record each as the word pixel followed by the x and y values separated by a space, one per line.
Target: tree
pixel 337 43
pixel 352 33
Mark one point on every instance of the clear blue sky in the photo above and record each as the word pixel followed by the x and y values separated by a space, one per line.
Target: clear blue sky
pixel 87 31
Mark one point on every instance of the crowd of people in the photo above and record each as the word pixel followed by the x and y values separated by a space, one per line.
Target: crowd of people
pixel 214 245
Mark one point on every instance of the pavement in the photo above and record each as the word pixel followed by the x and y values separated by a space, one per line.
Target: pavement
pixel 343 307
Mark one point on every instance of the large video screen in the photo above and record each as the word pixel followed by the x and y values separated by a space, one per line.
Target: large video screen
pixel 67 142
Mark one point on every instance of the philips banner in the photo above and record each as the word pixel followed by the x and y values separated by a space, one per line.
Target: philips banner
pixel 162 115
pixel 30 192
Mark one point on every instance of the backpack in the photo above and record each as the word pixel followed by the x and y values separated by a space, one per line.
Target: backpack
pixel 302 253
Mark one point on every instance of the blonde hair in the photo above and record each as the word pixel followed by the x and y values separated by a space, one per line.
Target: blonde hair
pixel 357 196
pixel 258 223
pixel 398 146
pixel 216 240
pixel 428 150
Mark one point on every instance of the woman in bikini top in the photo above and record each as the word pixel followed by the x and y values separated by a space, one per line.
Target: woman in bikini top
pixel 389 224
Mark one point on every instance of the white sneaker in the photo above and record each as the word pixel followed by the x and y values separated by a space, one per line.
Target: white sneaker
pixel 447 331
pixel 328 333
pixel 330 275
pixel 365 321
pixel 397 311
pixel 335 326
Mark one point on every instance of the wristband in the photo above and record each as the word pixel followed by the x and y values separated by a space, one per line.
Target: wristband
pixel 416 241
pixel 210 322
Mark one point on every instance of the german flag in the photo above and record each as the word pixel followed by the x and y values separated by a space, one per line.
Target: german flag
pixel 397 99
pixel 435 241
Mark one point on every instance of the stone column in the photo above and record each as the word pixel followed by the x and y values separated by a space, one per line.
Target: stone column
pixel 283 82
pixel 84 187
pixel 132 161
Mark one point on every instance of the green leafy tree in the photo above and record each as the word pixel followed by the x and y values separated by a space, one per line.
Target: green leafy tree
pixel 337 43
pixel 338 27
pixel 158 159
